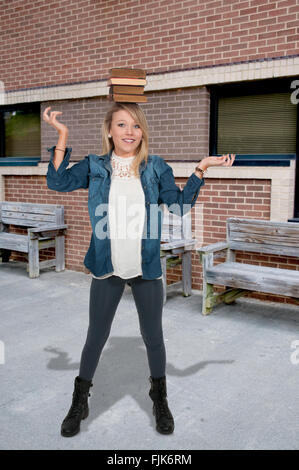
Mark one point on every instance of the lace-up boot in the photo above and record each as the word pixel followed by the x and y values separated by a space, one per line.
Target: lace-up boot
pixel 158 393
pixel 79 409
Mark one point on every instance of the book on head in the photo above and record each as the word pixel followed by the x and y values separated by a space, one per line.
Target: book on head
pixel 127 73
pixel 127 81
pixel 127 98
pixel 128 89
pixel 127 85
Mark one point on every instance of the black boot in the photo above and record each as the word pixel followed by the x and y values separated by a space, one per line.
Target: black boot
pixel 158 393
pixel 79 409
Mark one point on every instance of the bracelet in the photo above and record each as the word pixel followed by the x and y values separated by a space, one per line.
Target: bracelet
pixel 60 149
pixel 200 170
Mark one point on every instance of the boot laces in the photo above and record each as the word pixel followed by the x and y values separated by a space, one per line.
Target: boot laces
pixel 162 407
pixel 75 410
pixel 77 406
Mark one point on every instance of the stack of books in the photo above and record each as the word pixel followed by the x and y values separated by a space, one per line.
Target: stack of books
pixel 127 85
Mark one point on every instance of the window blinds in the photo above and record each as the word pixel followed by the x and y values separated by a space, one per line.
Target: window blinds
pixel 257 124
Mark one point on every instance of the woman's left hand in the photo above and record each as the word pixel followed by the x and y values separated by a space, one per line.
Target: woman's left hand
pixel 224 160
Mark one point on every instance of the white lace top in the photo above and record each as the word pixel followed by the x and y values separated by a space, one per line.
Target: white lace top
pixel 126 215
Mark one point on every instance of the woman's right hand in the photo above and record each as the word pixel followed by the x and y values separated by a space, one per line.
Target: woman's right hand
pixel 61 128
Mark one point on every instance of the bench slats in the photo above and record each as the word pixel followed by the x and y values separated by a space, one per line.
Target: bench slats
pixel 13 241
pixel 175 227
pixel 262 223
pixel 30 214
pixel 26 220
pixel 260 248
pixel 49 209
pixel 291 241
pixel 250 235
pixel 177 234
pixel 263 236
pixel 45 227
pixel 255 278
pixel 274 228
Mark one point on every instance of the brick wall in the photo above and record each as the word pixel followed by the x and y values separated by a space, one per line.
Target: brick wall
pixel 48 42
pixel 221 199
pixel 178 123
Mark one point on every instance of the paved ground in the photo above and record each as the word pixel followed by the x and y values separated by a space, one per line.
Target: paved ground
pixel 231 381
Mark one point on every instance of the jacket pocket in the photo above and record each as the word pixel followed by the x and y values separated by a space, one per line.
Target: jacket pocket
pixel 96 183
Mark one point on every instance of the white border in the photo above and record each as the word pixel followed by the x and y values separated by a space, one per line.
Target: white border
pixel 165 81
pixel 282 181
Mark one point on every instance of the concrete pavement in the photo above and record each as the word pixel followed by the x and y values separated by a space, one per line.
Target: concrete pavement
pixel 232 376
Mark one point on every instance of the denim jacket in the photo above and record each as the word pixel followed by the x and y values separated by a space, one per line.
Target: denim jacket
pixel 158 183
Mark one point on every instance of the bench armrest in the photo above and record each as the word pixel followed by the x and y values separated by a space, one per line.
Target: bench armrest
pixel 184 243
pixel 46 228
pixel 42 228
pixel 213 247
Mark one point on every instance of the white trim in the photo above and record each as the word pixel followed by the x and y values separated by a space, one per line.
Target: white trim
pixel 282 181
pixel 164 81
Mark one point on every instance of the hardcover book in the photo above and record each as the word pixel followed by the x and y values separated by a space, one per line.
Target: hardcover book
pixel 128 89
pixel 127 73
pixel 127 85
pixel 127 81
pixel 127 98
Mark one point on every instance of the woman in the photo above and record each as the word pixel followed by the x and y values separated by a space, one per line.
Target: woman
pixel 125 180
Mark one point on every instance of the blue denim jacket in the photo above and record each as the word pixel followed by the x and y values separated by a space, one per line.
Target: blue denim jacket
pixel 158 183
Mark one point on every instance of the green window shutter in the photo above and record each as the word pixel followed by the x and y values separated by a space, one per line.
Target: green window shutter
pixel 22 133
pixel 257 124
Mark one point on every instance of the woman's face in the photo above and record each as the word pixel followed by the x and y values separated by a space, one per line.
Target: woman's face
pixel 126 134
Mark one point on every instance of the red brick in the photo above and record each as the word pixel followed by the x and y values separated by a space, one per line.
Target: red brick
pixel 194 34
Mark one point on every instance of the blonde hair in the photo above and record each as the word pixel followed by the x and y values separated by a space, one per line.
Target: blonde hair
pixel 139 117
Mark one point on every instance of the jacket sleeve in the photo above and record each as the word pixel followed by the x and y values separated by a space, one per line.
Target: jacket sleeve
pixel 67 179
pixel 178 201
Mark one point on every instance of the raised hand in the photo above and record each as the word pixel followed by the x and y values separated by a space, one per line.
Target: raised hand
pixel 52 121
pixel 224 160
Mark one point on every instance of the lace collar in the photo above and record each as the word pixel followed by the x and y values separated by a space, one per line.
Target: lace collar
pixel 122 166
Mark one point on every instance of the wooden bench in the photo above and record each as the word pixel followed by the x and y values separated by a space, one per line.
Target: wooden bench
pixel 176 241
pixel 260 236
pixel 45 228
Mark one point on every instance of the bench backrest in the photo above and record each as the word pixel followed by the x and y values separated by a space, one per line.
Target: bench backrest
pixel 263 236
pixel 30 215
pixel 174 227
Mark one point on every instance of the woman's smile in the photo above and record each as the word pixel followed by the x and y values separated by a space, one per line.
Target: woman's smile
pixel 126 134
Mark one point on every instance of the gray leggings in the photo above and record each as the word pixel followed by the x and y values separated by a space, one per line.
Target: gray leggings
pixel 105 295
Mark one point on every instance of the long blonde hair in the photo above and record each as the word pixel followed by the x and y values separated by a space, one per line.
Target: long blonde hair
pixel 139 117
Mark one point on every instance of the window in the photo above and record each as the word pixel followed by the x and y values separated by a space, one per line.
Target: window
pixel 20 134
pixel 255 120
pixel 258 122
